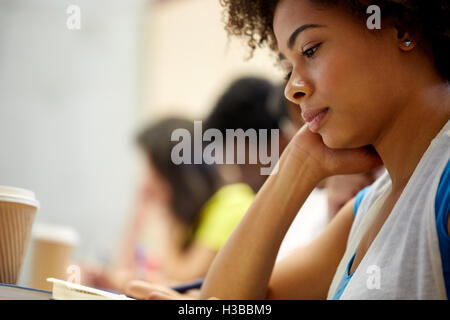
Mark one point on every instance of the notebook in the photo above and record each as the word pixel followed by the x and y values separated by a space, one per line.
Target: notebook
pixel 64 290
pixel 13 292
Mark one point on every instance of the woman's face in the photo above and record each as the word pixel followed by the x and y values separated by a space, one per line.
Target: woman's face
pixel 155 187
pixel 347 80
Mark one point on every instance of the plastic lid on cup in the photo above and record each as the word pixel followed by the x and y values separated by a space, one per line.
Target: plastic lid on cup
pixel 18 195
pixel 55 233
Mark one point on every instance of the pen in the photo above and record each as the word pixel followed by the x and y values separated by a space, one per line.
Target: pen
pixel 188 286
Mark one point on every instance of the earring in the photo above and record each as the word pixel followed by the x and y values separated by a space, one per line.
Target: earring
pixel 407 45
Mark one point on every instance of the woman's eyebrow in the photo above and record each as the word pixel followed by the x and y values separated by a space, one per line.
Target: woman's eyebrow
pixel 297 31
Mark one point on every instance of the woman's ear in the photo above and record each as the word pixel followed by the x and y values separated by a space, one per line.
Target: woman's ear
pixel 405 41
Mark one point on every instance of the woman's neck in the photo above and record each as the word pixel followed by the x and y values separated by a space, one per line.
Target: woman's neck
pixel 405 139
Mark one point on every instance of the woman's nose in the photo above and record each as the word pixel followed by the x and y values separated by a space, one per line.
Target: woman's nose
pixel 297 88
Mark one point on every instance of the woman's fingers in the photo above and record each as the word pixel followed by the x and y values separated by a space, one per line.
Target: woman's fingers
pixel 159 295
pixel 349 161
pixel 148 291
pixel 139 289
pixel 325 161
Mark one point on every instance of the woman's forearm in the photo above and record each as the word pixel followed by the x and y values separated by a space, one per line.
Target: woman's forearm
pixel 242 268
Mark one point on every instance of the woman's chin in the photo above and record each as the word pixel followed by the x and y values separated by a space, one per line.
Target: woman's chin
pixel 333 145
pixel 334 141
pixel 330 140
pixel 343 135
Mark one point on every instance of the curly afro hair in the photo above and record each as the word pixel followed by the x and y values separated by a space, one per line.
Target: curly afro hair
pixel 427 19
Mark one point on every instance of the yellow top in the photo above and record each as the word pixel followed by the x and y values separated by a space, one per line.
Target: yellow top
pixel 222 213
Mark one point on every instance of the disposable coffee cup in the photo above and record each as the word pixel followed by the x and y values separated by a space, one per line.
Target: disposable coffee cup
pixel 17 211
pixel 53 246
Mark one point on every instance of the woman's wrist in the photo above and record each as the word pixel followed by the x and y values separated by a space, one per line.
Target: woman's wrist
pixel 300 167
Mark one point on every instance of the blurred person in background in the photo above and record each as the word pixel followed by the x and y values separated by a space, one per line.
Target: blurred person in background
pixel 341 188
pixel 160 243
pixel 184 213
pixel 249 103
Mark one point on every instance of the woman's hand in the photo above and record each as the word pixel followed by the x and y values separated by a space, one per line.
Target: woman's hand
pixel 324 161
pixel 150 291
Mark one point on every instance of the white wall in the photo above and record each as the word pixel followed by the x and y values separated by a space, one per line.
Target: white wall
pixel 68 112
pixel 192 60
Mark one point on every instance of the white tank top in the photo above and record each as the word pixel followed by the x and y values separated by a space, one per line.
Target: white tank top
pixel 403 261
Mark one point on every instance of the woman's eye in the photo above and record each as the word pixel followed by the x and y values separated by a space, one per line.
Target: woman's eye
pixel 288 76
pixel 311 51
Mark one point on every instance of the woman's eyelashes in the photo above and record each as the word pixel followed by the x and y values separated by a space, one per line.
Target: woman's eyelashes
pixel 309 53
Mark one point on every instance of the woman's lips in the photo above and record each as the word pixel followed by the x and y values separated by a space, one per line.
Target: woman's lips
pixel 314 118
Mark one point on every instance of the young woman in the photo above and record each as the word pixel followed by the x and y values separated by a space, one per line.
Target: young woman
pixel 369 96
pixel 357 87
pixel 162 242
